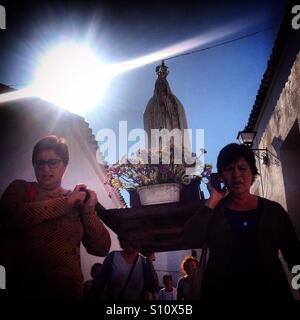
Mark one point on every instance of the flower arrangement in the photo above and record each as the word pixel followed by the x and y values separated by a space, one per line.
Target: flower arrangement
pixel 154 166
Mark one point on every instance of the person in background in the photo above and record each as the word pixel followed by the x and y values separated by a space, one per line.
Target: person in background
pixel 96 268
pixel 188 265
pixel 244 234
pixel 125 275
pixel 43 225
pixel 168 292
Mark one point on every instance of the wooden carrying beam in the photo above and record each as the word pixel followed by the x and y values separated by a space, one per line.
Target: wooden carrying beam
pixel 155 228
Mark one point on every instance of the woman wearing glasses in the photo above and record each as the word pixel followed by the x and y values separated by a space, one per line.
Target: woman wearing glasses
pixel 43 225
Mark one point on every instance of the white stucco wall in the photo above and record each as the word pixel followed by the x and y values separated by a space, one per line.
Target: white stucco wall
pixel 284 116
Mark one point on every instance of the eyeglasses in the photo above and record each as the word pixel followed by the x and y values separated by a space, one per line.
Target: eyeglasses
pixel 52 163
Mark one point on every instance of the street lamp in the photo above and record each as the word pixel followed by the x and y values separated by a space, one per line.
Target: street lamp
pixel 246 138
pixel 267 157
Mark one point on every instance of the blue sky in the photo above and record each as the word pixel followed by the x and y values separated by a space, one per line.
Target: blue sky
pixel 217 87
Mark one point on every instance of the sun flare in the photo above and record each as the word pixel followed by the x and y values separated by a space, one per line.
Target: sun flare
pixel 72 76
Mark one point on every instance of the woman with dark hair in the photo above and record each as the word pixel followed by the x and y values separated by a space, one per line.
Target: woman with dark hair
pixel 43 226
pixel 244 234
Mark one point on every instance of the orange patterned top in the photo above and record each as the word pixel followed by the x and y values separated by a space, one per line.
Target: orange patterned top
pixel 40 245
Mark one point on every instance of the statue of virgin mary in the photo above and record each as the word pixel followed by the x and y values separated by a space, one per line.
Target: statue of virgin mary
pixel 164 110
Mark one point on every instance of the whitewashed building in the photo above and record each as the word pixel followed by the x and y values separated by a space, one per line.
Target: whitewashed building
pixel 275 116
